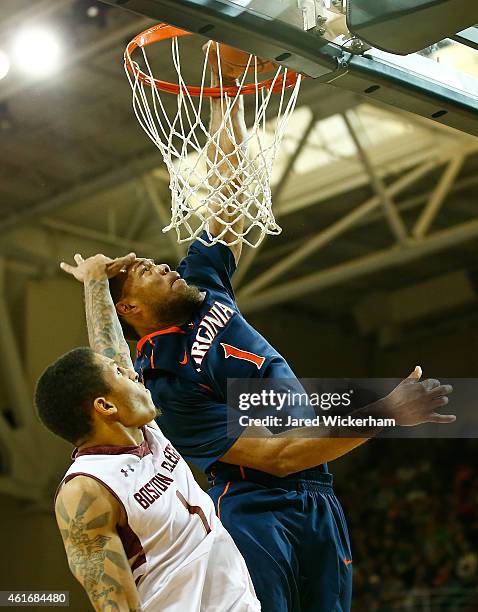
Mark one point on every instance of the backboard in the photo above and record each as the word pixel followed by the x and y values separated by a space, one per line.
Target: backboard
pixel 311 37
pixel 283 30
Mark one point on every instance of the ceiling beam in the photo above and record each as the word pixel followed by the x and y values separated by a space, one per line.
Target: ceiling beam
pixel 272 254
pixel 438 196
pixel 129 170
pixel 393 218
pixel 134 167
pixel 92 234
pixel 332 232
pixel 362 266
pixel 250 255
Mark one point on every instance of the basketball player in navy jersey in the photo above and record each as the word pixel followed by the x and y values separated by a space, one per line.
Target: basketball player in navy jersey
pixel 139 533
pixel 274 495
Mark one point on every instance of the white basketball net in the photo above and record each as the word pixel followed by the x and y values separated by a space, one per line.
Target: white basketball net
pixel 203 188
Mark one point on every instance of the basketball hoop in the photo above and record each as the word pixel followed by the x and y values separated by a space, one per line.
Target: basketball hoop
pixel 180 131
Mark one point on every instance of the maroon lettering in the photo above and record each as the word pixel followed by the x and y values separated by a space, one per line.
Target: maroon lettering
pixel 171 458
pixel 141 501
pixel 152 490
pixel 149 488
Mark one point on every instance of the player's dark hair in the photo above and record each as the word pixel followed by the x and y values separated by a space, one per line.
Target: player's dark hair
pixel 116 290
pixel 65 393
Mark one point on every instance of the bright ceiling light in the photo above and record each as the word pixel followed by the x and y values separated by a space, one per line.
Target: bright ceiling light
pixel 92 11
pixel 4 65
pixel 37 51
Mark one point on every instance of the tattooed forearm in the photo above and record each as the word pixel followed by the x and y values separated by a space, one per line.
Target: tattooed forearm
pixel 91 556
pixel 104 329
pixel 96 594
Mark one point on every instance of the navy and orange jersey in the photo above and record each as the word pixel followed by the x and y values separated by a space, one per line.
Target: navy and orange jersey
pixel 186 368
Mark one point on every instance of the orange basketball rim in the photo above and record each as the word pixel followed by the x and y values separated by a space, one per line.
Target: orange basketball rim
pixel 163 32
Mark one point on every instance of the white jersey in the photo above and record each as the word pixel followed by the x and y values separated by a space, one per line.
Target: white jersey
pixel 181 556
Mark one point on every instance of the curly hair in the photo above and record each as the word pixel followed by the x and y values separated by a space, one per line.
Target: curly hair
pixel 65 393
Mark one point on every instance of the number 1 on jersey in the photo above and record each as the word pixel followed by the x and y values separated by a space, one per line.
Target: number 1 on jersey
pixel 194 510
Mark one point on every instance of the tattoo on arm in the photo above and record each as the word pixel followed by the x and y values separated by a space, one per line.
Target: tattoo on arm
pixel 104 329
pixel 89 556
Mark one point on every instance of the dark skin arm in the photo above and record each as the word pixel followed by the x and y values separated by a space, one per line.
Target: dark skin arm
pixel 410 403
pixel 224 153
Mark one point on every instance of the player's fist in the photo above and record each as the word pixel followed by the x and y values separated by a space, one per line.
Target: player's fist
pixel 97 267
pixel 414 402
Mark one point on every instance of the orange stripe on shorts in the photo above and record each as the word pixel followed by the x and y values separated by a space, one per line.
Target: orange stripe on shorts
pixel 219 500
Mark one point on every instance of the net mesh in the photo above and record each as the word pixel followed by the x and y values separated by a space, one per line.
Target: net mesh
pixel 217 186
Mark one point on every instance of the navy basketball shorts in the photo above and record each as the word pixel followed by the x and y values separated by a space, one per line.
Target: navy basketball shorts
pixel 292 534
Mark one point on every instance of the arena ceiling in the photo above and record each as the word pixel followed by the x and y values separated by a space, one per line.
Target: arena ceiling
pixel 378 207
pixel 75 169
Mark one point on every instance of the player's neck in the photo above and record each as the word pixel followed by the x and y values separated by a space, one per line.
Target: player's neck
pixel 116 435
pixel 183 317
pixel 146 330
pixel 151 328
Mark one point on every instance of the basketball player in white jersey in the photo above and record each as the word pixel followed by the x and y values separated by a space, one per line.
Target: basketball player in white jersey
pixel 139 532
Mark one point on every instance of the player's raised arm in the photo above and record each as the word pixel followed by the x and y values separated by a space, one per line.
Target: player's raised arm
pixel 227 135
pixel 105 334
pixel 411 403
pixel 104 330
pixel 87 515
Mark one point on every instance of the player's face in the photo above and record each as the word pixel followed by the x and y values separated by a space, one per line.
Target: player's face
pixel 159 292
pixel 146 277
pixel 131 398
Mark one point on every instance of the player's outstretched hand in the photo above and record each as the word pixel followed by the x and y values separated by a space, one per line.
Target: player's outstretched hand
pixel 98 267
pixel 414 402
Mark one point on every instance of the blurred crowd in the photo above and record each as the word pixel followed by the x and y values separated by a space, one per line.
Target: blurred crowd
pixel 411 507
